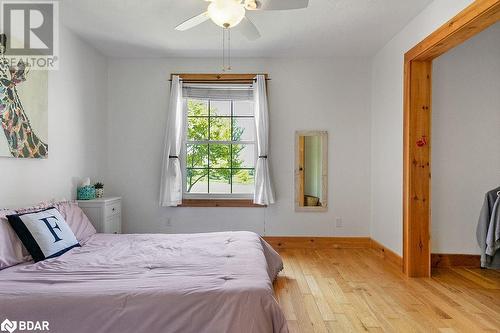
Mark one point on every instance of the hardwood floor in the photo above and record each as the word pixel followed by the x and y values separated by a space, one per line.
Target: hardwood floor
pixel 354 290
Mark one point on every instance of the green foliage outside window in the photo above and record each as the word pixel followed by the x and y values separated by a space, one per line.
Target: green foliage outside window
pixel 222 166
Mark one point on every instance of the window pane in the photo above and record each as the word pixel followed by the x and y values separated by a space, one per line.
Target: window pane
pixel 197 107
pixel 196 181
pixel 243 129
pixel 220 156
pixel 197 156
pixel 224 168
pixel 243 108
pixel 197 129
pixel 244 156
pixel 243 181
pixel 220 129
pixel 220 108
pixel 220 181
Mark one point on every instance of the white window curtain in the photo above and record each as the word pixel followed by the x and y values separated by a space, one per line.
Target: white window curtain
pixel 171 176
pixel 264 194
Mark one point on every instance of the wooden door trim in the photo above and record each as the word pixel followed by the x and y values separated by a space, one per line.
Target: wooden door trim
pixel 417 127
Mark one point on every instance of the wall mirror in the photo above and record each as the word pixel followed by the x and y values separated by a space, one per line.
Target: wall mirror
pixel 311 171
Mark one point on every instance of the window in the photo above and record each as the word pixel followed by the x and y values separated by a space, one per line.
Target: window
pixel 219 151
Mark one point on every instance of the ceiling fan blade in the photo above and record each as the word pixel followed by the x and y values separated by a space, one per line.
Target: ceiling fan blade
pixel 192 22
pixel 281 4
pixel 248 29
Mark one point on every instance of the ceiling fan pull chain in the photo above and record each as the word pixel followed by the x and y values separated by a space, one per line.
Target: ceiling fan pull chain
pixel 223 49
pixel 229 49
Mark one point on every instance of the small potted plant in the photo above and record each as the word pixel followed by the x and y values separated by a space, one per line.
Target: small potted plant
pixel 99 189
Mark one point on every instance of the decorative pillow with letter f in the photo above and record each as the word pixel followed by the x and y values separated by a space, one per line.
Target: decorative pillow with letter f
pixel 44 233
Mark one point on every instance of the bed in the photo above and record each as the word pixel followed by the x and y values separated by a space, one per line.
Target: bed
pixel 213 282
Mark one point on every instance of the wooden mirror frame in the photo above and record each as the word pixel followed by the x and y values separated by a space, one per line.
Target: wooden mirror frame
pixel 299 171
pixel 417 128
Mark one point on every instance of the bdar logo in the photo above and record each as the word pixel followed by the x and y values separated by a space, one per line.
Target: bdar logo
pixel 24 325
pixel 8 326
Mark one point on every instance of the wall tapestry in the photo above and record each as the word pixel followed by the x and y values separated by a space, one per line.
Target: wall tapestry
pixel 23 111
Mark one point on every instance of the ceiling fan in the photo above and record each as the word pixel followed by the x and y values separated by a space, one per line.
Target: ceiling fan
pixel 230 13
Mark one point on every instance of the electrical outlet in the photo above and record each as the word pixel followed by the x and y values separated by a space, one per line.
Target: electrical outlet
pixel 168 222
pixel 338 222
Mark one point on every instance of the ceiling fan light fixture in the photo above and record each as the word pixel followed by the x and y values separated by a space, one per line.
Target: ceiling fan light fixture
pixel 226 13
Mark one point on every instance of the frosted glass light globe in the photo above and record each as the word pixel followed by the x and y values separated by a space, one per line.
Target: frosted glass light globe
pixel 226 13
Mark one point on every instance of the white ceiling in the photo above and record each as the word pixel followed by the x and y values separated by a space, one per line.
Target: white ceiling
pixel 145 28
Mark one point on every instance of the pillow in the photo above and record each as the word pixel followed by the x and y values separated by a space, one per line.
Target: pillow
pixel 12 251
pixel 44 233
pixel 35 208
pixel 76 219
pixel 72 213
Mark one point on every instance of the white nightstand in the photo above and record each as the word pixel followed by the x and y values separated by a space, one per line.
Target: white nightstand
pixel 104 213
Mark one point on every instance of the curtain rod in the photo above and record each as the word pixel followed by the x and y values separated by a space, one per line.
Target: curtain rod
pixel 219 81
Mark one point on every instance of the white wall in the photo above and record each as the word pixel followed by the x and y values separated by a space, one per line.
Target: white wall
pixel 308 94
pixel 77 106
pixel 466 139
pixel 387 121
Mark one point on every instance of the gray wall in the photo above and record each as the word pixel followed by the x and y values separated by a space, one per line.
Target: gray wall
pixel 466 139
pixel 304 94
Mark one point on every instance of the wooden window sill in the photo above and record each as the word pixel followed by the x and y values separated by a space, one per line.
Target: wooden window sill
pixel 246 203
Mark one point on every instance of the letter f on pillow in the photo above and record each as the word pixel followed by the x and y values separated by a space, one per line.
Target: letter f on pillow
pixel 52 227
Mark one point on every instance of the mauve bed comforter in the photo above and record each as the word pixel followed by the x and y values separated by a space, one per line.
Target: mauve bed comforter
pixel 214 282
